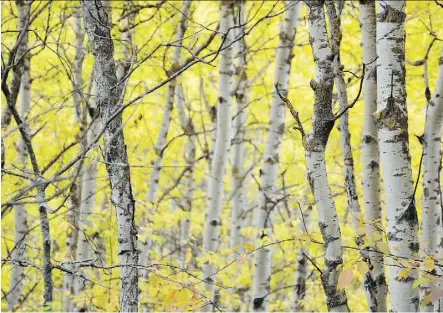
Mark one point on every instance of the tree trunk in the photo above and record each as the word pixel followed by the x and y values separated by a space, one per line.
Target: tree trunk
pixel 431 212
pixel 301 271
pixel 315 146
pixel 269 169
pixel 211 237
pixel 392 123
pixel 189 154
pixel 116 157
pixel 164 128
pixel 20 216
pixel 239 129
pixel 375 280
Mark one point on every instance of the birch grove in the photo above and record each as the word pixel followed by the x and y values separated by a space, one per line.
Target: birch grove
pixel 217 156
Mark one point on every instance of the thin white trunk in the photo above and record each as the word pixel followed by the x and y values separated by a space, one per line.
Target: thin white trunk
pixel 115 153
pixel 431 212
pixel 164 127
pixel 71 248
pixel 211 238
pixel 20 216
pixel 315 146
pixel 301 270
pixel 269 169
pixel 77 65
pixel 375 280
pixel 392 123
pixel 189 154
pixel 239 129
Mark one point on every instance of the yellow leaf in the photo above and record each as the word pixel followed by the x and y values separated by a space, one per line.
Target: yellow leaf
pixel 188 255
pixel 249 247
pixel 345 279
pixel 383 247
pixel 237 247
pixel 429 263
pixel 169 298
pixel 404 273
pixel 426 300
pixel 362 268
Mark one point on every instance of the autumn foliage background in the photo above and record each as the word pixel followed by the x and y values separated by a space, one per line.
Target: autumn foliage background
pixel 52 123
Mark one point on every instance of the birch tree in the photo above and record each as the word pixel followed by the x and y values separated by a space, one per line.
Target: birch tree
pixel 98 30
pixel 212 222
pixel 375 281
pixel 269 169
pixel 392 123
pixel 301 270
pixel 239 129
pixel 431 212
pixel 189 155
pixel 167 113
pixel 20 214
pixel 315 147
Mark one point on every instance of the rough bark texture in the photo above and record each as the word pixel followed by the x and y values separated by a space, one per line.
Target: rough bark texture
pixel 239 129
pixel 17 61
pixel 432 210
pixel 116 158
pixel 375 280
pixel 269 170
pixel 315 146
pixel 211 238
pixel 392 123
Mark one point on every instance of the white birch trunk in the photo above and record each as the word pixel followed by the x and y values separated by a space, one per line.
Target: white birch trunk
pixel 375 280
pixel 239 129
pixel 211 238
pixel 392 123
pixel 432 210
pixel 71 248
pixel 20 216
pixel 164 128
pixel 98 30
pixel 315 146
pixel 269 169
pixel 77 65
pixel 189 154
pixel 301 270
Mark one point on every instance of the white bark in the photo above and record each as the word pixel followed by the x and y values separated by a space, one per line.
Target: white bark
pixel 315 146
pixel 20 216
pixel 392 123
pixel 211 237
pixel 301 270
pixel 77 65
pixel 115 153
pixel 189 154
pixel 431 212
pixel 71 248
pixel 169 104
pixel 239 129
pixel 375 280
pixel 164 127
pixel 269 169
